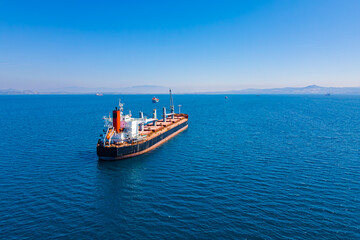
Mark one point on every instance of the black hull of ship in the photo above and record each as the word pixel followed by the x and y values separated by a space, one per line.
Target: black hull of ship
pixel 115 153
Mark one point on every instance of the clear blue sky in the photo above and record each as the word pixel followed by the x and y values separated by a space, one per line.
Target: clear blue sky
pixel 200 45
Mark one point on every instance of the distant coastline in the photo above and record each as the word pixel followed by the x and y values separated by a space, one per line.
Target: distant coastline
pixel 149 89
pixel 312 89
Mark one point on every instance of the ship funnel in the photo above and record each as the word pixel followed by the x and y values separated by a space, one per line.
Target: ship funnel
pixel 141 114
pixel 116 120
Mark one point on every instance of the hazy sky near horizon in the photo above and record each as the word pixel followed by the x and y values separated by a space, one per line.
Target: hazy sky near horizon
pixel 186 45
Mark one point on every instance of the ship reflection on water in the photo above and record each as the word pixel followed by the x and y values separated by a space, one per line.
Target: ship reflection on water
pixel 119 183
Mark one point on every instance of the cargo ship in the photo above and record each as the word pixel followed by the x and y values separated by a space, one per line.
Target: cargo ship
pixel 125 136
pixel 155 100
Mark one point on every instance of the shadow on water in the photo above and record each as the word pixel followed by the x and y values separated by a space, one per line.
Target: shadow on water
pixel 125 173
pixel 120 183
pixel 134 162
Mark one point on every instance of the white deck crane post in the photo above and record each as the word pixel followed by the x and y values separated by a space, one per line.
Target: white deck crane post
pixel 142 119
pixel 171 105
pixel 164 114
pixel 154 116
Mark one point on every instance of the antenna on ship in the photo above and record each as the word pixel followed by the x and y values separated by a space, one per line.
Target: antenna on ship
pixel 179 108
pixel 121 105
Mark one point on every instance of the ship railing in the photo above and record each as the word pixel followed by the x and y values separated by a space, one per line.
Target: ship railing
pixel 139 139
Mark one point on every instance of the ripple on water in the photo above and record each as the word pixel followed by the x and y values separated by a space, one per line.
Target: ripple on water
pixel 261 167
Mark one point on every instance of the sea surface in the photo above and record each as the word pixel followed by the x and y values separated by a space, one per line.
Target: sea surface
pixel 249 167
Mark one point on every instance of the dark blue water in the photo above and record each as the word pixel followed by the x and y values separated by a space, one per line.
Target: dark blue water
pixel 257 167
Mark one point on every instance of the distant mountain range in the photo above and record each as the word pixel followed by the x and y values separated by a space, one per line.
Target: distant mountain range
pixel 312 89
pixel 15 92
pixel 144 89
pixel 151 89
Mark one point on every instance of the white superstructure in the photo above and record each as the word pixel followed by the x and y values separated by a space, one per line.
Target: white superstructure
pixel 129 130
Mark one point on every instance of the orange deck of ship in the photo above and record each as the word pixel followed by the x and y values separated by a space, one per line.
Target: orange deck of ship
pixel 152 131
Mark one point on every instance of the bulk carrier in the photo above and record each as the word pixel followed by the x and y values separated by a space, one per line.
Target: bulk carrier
pixel 125 136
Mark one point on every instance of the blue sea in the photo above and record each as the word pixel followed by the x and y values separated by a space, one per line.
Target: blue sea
pixel 248 167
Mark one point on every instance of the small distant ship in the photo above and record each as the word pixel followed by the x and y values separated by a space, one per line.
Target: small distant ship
pixel 328 94
pixel 155 100
pixel 99 94
pixel 126 136
pixel 226 97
